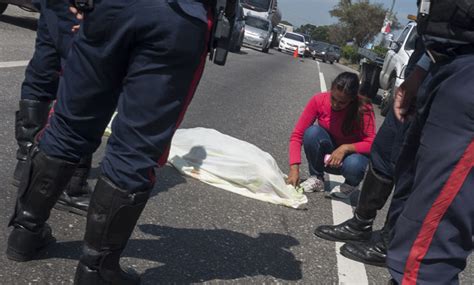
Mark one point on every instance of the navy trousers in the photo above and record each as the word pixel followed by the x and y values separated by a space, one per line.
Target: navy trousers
pixel 387 145
pixel 433 224
pixel 144 58
pixel 53 40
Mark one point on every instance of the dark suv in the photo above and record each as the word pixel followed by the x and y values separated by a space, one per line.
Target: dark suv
pixel 324 52
pixel 26 4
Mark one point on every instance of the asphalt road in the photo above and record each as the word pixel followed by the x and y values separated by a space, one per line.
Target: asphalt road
pixel 189 231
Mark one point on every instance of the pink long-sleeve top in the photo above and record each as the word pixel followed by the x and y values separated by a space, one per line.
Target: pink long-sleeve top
pixel 319 109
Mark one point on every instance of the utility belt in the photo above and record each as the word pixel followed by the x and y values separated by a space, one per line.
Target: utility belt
pixel 224 14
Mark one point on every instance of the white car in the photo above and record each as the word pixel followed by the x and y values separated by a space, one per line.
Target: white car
pixel 258 33
pixel 292 41
pixel 395 62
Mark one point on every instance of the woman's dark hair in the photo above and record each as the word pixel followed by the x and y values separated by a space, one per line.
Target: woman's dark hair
pixel 348 83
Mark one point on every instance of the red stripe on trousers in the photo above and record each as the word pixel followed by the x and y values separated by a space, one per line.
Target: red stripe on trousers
pixel 196 78
pixel 435 214
pixel 39 135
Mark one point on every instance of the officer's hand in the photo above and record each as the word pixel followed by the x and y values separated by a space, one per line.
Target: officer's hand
pixel 294 175
pixel 405 95
pixel 402 103
pixel 79 15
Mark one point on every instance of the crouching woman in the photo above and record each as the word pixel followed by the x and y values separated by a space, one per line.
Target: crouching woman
pixel 341 140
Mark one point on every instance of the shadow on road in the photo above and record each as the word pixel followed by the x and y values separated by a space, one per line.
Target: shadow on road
pixel 166 178
pixel 22 22
pixel 199 255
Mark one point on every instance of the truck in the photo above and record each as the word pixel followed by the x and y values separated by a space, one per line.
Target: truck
pixel 267 9
pixel 387 73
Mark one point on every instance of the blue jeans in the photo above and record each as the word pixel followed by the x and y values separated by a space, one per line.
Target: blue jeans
pixel 317 143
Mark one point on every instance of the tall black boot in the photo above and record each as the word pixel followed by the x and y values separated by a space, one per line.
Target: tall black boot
pixel 29 120
pixel 77 194
pixel 374 194
pixel 371 252
pixel 112 216
pixel 41 184
pixel 354 229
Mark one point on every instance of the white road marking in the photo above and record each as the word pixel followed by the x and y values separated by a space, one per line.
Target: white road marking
pixel 321 79
pixel 19 63
pixel 349 272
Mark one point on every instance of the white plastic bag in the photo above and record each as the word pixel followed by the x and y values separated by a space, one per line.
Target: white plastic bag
pixel 232 164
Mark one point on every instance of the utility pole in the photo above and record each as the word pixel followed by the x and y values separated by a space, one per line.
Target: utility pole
pixel 391 9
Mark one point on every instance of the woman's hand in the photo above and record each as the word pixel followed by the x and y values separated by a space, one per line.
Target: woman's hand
pixel 337 156
pixel 294 175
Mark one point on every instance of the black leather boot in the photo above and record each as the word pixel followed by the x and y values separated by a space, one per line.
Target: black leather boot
pixel 75 198
pixel 41 184
pixel 112 216
pixel 374 194
pixel 354 229
pixel 371 252
pixel 29 120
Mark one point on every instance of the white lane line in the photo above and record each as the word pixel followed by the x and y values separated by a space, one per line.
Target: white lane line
pixel 19 63
pixel 321 79
pixel 348 271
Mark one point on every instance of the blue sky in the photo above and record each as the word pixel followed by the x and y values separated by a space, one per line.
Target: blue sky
pixel 316 12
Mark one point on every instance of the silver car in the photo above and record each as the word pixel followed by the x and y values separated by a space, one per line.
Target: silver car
pixel 257 33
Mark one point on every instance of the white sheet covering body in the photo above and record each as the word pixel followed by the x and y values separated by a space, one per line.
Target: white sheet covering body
pixel 232 164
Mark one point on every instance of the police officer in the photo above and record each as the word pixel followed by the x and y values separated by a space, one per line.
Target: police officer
pixel 38 91
pixel 432 236
pixel 145 58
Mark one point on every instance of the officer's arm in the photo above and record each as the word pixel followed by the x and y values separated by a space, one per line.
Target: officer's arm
pixel 403 104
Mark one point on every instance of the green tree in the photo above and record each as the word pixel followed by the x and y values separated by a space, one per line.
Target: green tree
pixel 321 33
pixel 339 34
pixel 361 20
pixel 318 33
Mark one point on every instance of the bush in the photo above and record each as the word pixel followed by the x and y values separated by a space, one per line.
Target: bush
pixel 380 51
pixel 350 53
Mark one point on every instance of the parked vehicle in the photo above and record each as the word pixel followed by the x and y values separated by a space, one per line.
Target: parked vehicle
pixel 387 73
pixel 323 51
pixel 337 51
pixel 307 41
pixel 258 33
pixel 238 30
pixel 292 41
pixel 279 34
pixel 25 4
pixel 264 9
pixel 393 69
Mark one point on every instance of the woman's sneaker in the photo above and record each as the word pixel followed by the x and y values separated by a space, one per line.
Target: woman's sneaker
pixel 313 184
pixel 343 191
